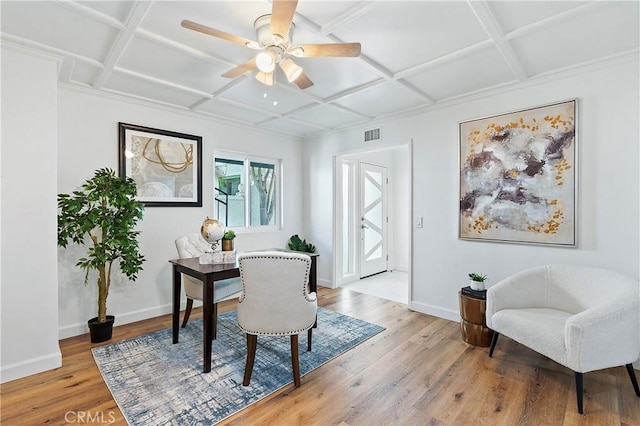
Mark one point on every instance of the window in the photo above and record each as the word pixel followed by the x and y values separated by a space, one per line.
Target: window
pixel 251 205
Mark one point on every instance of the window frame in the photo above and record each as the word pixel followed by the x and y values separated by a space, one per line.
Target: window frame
pixel 246 160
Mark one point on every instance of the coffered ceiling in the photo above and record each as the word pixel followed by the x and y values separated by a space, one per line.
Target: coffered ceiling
pixel 415 54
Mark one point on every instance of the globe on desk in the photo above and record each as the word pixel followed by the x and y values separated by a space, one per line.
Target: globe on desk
pixel 212 230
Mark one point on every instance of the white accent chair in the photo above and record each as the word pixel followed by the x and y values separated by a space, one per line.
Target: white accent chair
pixel 581 317
pixel 275 301
pixel 193 245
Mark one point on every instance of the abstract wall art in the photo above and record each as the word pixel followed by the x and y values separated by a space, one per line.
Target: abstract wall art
pixel 518 176
pixel 166 165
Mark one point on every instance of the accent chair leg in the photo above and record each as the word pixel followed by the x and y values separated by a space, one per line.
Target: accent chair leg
pixel 494 340
pixel 579 391
pixel 294 360
pixel 187 312
pixel 215 321
pixel 252 343
pixel 634 381
pixel 309 336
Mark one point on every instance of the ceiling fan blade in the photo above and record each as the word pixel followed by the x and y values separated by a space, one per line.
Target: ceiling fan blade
pixel 241 69
pixel 329 49
pixel 303 81
pixel 282 13
pixel 220 34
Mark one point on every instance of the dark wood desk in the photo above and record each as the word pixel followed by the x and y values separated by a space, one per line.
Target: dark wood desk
pixel 208 274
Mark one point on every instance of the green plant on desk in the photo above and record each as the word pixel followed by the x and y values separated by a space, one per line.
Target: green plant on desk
pixel 298 244
pixel 477 277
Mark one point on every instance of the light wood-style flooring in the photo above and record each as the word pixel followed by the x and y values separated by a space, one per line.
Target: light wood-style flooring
pixel 417 372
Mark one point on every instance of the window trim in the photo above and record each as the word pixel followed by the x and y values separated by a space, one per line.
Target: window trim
pixel 246 160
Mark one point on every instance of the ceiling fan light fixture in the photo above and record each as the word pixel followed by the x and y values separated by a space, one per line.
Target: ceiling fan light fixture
pixel 291 69
pixel 265 78
pixel 265 62
pixel 297 51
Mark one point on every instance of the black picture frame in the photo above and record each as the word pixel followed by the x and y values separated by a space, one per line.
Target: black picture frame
pixel 166 165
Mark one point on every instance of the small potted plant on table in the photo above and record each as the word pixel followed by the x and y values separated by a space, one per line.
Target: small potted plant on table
pixel 227 240
pixel 103 215
pixel 477 281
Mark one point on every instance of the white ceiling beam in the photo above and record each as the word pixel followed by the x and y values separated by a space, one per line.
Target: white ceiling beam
pixel 554 19
pixel 53 51
pixel 408 86
pixel 343 108
pixel 355 89
pixel 136 15
pixel 490 25
pixel 174 45
pixel 91 13
pixel 466 51
pixel 348 16
pixel 162 82
pixel 65 70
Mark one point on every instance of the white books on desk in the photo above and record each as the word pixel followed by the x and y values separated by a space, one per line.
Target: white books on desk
pixel 218 257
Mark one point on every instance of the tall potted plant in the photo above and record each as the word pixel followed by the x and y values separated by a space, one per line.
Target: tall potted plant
pixel 103 215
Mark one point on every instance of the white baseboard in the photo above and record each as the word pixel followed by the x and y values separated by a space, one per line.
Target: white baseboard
pixel 125 318
pixel 30 366
pixel 325 283
pixel 435 311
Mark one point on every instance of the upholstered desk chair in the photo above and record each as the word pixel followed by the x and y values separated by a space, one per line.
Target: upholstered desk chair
pixel 581 317
pixel 275 302
pixel 193 245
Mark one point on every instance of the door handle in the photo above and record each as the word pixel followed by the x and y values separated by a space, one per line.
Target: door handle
pixel 363 226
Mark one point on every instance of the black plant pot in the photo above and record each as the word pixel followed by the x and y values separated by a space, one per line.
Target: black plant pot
pixel 101 331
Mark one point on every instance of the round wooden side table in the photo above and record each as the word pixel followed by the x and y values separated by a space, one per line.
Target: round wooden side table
pixel 473 326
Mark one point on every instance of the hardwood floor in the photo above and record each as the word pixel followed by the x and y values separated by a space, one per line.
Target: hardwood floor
pixel 418 371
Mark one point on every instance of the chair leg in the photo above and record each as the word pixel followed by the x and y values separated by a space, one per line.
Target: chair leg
pixel 252 343
pixel 494 340
pixel 294 360
pixel 579 391
pixel 309 336
pixel 187 312
pixel 634 381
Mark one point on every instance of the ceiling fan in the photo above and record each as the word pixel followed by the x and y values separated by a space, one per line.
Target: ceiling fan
pixel 275 43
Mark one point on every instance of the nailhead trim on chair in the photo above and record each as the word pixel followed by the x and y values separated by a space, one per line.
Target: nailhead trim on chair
pixel 304 293
pixel 282 333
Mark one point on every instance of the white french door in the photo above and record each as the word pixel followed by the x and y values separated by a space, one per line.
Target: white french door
pixel 373 219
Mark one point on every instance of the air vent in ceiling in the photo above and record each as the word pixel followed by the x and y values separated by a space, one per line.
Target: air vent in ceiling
pixel 372 135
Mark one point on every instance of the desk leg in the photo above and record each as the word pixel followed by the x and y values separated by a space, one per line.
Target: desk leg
pixel 313 276
pixel 207 296
pixel 177 282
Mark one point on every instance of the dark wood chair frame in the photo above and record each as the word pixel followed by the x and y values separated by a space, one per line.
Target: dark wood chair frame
pixel 252 343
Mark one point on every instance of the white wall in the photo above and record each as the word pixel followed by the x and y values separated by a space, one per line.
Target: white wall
pixel 608 195
pixel 399 209
pixel 88 140
pixel 29 289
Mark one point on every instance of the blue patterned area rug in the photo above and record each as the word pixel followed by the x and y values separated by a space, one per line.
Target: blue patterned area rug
pixel 155 382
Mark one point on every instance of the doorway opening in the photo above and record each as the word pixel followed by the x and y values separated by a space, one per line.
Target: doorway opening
pixel 372 240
